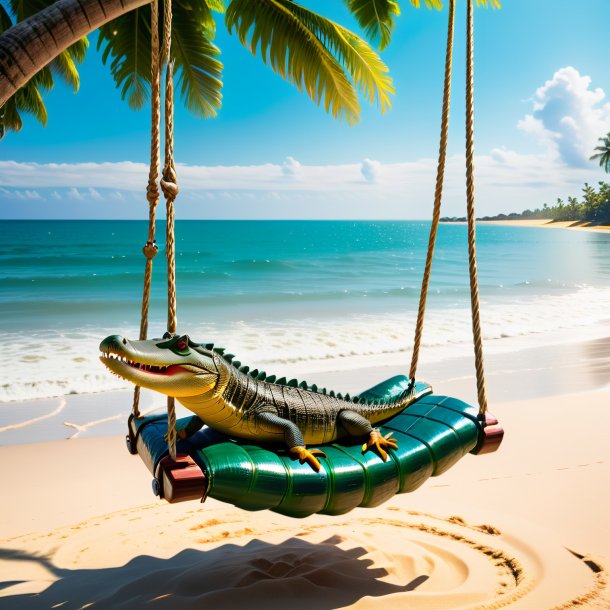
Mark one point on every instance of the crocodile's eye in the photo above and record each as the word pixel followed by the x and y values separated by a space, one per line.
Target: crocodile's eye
pixel 181 345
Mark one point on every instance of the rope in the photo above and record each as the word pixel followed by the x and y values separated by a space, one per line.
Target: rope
pixel 438 194
pixel 170 189
pixel 152 190
pixel 472 253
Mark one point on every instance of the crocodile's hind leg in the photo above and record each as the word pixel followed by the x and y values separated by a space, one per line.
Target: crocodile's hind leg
pixel 293 437
pixel 357 425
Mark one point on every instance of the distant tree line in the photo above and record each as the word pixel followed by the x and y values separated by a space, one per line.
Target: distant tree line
pixel 594 207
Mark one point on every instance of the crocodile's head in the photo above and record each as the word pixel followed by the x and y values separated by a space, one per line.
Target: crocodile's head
pixel 175 366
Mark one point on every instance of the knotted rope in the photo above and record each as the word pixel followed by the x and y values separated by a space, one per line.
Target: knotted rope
pixel 169 186
pixel 152 190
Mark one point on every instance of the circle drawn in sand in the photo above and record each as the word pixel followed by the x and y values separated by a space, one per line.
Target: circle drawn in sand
pixel 392 559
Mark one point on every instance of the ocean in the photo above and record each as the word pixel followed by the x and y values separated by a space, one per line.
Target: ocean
pixel 310 295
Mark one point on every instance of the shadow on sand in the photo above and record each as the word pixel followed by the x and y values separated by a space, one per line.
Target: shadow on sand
pixel 294 574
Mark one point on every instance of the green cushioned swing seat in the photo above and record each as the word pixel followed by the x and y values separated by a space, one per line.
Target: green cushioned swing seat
pixel 433 433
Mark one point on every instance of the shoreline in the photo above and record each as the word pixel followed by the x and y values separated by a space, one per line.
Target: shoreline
pixel 546 223
pixel 531 372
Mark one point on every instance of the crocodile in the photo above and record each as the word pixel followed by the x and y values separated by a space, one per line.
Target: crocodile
pixel 249 404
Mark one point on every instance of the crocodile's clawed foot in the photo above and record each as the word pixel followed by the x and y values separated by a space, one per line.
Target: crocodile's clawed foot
pixel 306 455
pixel 380 442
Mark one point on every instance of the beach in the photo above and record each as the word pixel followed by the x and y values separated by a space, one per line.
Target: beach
pixel 524 527
pixel 548 224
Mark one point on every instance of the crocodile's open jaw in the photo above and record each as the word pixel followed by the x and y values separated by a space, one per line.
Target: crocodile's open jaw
pixel 149 369
pixel 158 365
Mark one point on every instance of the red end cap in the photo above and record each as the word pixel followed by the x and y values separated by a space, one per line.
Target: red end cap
pixel 490 437
pixel 182 479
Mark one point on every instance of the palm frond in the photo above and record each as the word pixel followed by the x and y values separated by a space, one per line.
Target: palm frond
pixel 604 153
pixel 199 72
pixel 127 47
pixel 10 119
pixel 78 50
pixel 312 52
pixel 64 67
pixel 44 79
pixel 126 44
pixel 438 4
pixel 376 17
pixel 217 6
pixel 28 99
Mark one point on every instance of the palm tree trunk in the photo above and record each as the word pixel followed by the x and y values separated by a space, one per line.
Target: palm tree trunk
pixel 31 44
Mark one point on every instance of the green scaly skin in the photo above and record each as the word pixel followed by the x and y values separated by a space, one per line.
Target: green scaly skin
pixel 248 404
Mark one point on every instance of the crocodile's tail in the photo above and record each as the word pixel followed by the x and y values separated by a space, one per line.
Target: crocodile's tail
pixel 380 410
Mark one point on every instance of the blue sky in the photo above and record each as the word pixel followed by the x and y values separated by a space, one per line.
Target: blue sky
pixel 542 86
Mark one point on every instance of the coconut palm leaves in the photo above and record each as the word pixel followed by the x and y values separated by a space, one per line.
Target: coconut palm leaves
pixel 319 56
pixel 604 153
pixel 28 99
pixel 377 17
pixel 327 61
pixel 126 44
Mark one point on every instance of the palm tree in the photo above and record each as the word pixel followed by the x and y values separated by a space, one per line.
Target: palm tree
pixel 604 152
pixel 322 58
pixel 29 98
pixel 327 61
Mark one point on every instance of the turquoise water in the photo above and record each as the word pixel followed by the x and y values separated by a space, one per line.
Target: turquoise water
pixel 280 291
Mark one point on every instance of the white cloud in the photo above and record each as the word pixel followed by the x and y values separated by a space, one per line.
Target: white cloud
pixel 568 116
pixel 291 167
pixel 28 195
pixel 75 194
pixel 370 170
pixel 124 176
pixel 93 194
pixel 505 181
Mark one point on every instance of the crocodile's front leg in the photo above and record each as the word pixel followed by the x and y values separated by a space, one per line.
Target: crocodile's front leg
pixel 293 437
pixel 357 425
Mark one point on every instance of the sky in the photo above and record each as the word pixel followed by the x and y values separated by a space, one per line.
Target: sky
pixel 542 88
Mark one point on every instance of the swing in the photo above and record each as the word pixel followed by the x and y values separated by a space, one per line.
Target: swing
pixel 431 434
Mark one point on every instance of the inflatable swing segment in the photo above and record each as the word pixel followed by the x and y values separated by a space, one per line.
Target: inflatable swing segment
pixel 433 433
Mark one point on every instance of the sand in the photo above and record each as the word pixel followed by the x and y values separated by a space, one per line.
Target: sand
pixel 549 224
pixel 525 527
